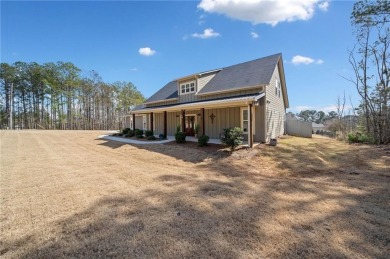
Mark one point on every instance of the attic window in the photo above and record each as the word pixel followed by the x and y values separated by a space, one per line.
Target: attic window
pixel 188 87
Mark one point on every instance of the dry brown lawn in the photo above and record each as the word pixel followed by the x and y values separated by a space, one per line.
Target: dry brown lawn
pixel 69 194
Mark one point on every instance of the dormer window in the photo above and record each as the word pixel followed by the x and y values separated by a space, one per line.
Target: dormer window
pixel 187 87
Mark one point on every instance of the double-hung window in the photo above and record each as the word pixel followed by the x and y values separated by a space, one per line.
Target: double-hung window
pixel 188 87
pixel 244 121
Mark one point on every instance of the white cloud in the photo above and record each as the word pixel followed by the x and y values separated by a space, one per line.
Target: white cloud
pixel 134 69
pixel 202 18
pixel 264 11
pixel 254 35
pixel 298 59
pixel 146 51
pixel 323 6
pixel 207 33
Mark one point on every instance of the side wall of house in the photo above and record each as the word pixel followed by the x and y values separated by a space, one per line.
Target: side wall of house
pixel 275 111
pixel 259 122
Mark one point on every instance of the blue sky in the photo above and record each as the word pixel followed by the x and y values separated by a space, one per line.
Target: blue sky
pixel 150 43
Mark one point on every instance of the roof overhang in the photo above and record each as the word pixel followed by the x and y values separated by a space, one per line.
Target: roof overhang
pixel 160 101
pixel 231 90
pixel 220 103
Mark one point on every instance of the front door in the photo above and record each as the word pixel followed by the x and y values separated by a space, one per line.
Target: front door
pixel 190 125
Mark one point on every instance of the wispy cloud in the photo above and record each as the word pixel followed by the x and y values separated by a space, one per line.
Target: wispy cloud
pixel 202 18
pixel 146 51
pixel 207 33
pixel 134 69
pixel 298 60
pixel 254 35
pixel 264 11
pixel 324 6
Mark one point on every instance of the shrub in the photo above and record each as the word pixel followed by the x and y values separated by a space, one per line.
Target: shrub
pixel 353 138
pixel 180 137
pixel 130 134
pixel 125 131
pixel 177 128
pixel 139 136
pixel 138 132
pixel 358 137
pixel 120 134
pixel 115 134
pixel 203 140
pixel 232 137
pixel 151 137
pixel 162 136
pixel 148 133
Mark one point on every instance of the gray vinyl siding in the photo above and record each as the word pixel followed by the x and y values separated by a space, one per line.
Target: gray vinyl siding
pixel 259 115
pixel 224 118
pixel 275 112
pixel 127 122
pixel 138 122
pixel 203 80
pixel 158 123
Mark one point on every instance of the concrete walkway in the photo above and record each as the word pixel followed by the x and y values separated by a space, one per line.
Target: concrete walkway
pixel 139 142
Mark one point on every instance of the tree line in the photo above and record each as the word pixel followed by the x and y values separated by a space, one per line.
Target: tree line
pixel 370 60
pixel 58 96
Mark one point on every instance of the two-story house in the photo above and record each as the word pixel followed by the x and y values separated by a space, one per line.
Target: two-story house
pixel 251 95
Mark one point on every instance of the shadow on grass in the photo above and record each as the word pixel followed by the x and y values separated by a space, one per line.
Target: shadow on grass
pixel 230 213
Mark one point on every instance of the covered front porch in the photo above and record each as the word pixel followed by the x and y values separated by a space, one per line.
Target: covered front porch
pixel 206 118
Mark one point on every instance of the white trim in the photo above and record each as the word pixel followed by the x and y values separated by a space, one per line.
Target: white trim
pixel 160 101
pixel 185 84
pixel 242 109
pixel 144 122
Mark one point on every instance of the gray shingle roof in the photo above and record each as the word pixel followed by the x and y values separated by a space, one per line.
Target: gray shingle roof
pixel 169 91
pixel 251 73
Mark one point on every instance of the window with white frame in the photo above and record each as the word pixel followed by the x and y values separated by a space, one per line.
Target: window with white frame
pixel 144 122
pixel 244 121
pixel 277 88
pixel 131 123
pixel 188 87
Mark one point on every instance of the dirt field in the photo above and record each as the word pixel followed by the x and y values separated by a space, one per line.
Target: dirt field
pixel 68 194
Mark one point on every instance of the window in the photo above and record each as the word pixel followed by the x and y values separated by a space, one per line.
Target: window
pixel 131 123
pixel 144 122
pixel 277 88
pixel 244 120
pixel 187 88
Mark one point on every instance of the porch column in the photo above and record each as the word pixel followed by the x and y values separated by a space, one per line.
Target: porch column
pixel 151 121
pixel 250 129
pixel 165 124
pixel 203 123
pixel 183 120
pixel 133 121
